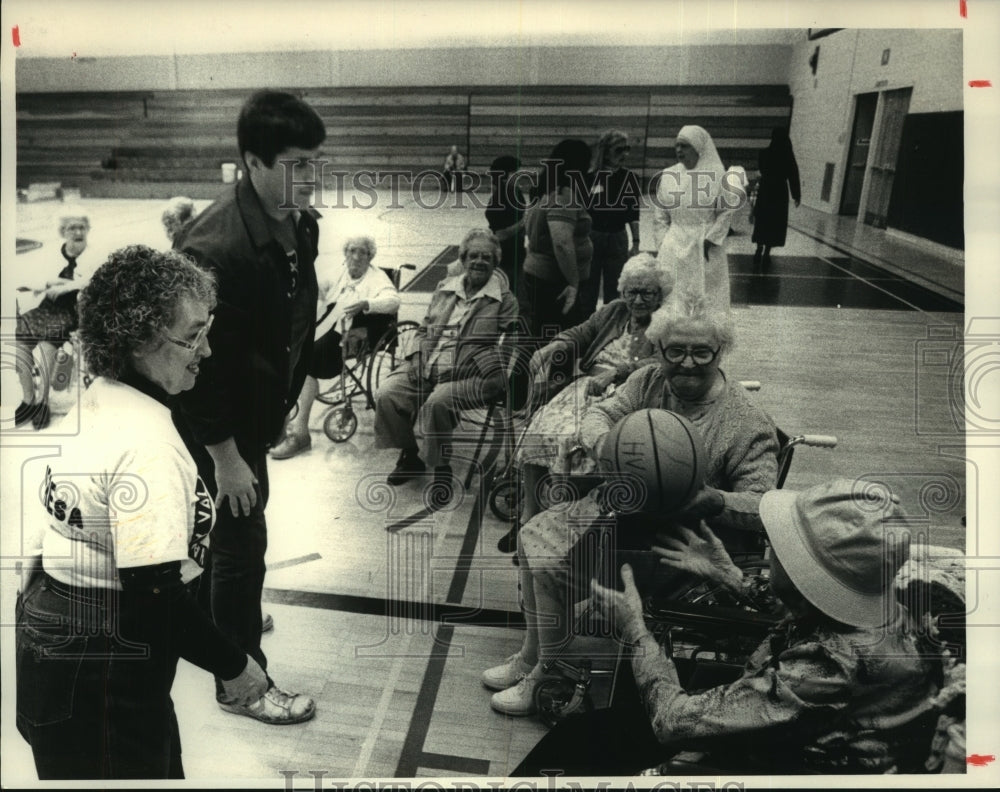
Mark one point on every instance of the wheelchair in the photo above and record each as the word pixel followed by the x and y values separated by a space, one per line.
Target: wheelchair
pixel 372 348
pixel 713 619
pixel 930 585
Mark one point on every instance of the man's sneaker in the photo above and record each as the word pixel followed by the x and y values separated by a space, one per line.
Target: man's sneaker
pixel 292 444
pixel 266 623
pixel 276 707
pixel 409 466
pixel 520 699
pixel 507 674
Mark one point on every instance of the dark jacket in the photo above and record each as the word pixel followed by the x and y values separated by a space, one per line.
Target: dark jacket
pixel 477 352
pixel 243 390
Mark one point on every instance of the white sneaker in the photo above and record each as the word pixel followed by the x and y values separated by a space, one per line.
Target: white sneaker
pixel 520 699
pixel 507 674
pixel 276 707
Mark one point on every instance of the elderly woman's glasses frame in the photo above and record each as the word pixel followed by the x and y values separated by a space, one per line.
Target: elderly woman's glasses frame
pixel 192 346
pixel 646 294
pixel 700 356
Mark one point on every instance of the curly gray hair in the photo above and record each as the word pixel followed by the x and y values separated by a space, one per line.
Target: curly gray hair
pixel 480 233
pixel 363 240
pixel 131 297
pixel 643 270
pixel 176 213
pixel 687 309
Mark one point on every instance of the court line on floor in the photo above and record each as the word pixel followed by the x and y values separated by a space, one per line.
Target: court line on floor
pixel 412 755
pixel 290 562
pixel 446 613
pixel 875 264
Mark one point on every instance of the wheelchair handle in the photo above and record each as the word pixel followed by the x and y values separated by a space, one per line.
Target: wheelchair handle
pixel 814 440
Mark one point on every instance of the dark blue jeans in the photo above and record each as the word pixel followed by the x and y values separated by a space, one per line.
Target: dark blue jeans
pixel 93 686
pixel 235 570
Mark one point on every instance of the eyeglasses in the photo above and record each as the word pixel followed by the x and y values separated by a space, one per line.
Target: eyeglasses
pixel 700 356
pixel 646 294
pixel 621 149
pixel 193 344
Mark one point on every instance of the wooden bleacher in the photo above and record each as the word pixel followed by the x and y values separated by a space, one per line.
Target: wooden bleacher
pixel 183 137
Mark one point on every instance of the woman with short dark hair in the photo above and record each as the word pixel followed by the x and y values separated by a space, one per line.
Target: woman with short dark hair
pixel 104 614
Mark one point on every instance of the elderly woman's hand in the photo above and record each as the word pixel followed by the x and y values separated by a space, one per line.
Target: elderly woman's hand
pixel 623 609
pixel 568 296
pixel 600 383
pixel 354 309
pixel 699 552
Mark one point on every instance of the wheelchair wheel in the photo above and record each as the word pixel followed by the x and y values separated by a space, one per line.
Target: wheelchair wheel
pixel 505 499
pixel 340 424
pixel 390 350
pixel 354 372
pixel 554 700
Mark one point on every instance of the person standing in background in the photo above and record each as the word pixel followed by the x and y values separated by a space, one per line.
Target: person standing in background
pixel 454 167
pixel 260 239
pixel 505 217
pixel 559 247
pixel 614 204
pixel 692 213
pixel 176 214
pixel 779 174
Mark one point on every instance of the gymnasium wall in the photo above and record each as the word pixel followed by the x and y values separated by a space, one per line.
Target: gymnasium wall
pixel 850 62
pixel 481 66
pixel 102 141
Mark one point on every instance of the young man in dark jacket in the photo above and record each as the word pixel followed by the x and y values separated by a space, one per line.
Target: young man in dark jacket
pixel 260 241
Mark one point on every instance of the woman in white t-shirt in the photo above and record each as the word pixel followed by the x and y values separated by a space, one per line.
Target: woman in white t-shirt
pixel 353 311
pixel 122 524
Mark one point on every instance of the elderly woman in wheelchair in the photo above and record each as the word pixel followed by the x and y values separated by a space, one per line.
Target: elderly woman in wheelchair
pixel 741 446
pixel 349 308
pixel 594 356
pixel 453 363
pixel 843 684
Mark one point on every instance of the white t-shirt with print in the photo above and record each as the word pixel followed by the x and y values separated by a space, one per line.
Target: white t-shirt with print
pixel 124 493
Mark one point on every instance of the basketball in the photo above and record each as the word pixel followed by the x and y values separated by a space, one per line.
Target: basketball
pixel 657 460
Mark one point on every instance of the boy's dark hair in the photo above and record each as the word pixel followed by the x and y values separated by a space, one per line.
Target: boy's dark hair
pixel 272 121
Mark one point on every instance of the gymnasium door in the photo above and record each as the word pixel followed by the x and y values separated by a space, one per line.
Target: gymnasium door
pixel 889 134
pixel 857 160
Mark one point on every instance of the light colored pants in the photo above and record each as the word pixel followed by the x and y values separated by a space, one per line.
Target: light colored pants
pixel 405 398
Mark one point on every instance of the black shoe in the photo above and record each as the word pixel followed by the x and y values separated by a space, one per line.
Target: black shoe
pixel 408 467
pixel 42 415
pixel 508 542
pixel 23 413
pixel 441 490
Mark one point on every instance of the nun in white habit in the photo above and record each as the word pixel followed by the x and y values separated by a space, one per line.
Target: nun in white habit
pixel 694 207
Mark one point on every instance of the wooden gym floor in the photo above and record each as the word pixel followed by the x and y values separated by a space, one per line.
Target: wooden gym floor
pixel 387 614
